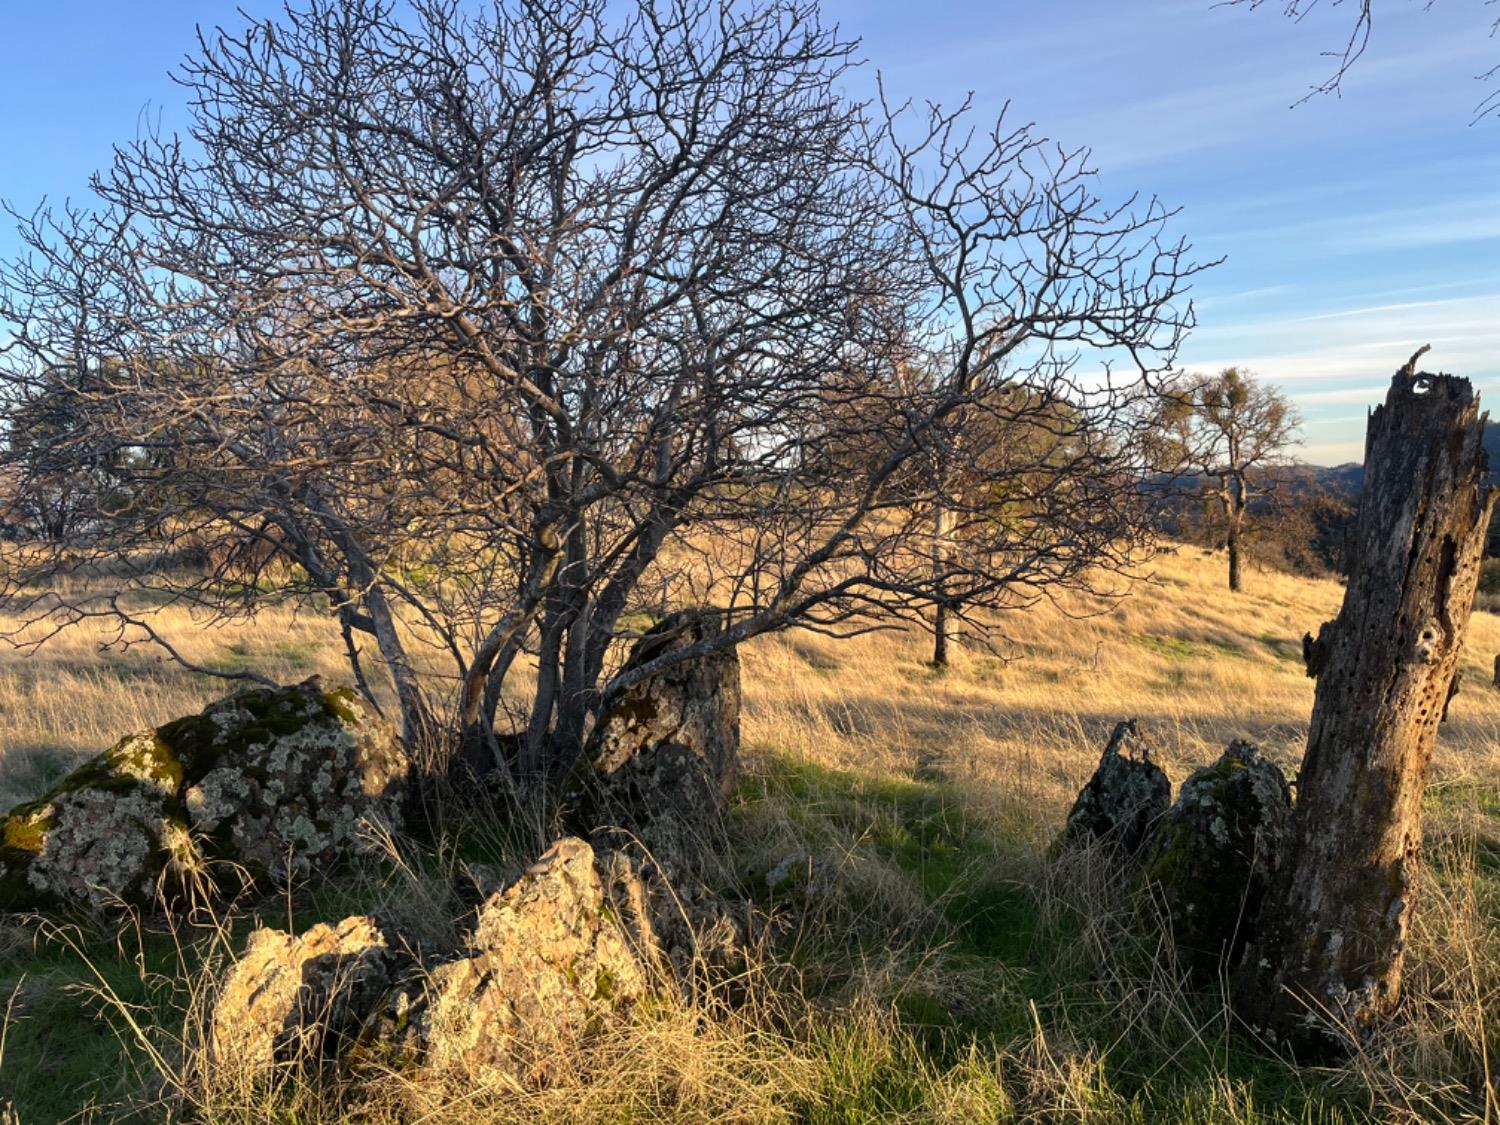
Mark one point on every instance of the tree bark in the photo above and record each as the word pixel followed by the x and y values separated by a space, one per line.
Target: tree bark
pixel 940 632
pixel 418 727
pixel 1331 938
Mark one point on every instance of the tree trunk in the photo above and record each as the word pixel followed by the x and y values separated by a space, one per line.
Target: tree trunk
pixel 940 631
pixel 544 702
pixel 1234 557
pixel 942 626
pixel 417 726
pixel 1331 938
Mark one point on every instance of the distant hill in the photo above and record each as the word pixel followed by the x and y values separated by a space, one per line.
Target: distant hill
pixel 1327 497
pixel 1349 478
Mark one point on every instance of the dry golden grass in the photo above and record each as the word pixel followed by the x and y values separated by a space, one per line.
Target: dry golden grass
pixel 1197 664
pixel 953 970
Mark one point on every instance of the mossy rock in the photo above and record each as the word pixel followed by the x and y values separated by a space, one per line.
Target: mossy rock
pixel 1212 859
pixel 1124 800
pixel 266 784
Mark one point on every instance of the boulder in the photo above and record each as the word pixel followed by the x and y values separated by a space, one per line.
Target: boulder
pixel 1211 859
pixel 264 785
pixel 663 758
pixel 563 952
pixel 679 926
pixel 292 1001
pixel 1125 798
pixel 547 962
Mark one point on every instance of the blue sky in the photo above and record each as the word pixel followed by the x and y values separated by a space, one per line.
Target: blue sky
pixel 1355 228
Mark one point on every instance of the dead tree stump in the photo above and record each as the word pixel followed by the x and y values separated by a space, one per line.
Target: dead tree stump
pixel 1332 933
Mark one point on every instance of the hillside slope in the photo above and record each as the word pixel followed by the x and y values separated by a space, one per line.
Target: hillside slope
pixel 1198 665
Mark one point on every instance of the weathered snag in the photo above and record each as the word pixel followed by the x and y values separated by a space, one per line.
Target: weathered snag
pixel 1332 936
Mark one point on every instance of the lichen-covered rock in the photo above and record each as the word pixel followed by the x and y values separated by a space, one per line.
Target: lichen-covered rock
pixel 1215 851
pixel 559 954
pixel 547 962
pixel 563 952
pixel 263 785
pixel 1125 798
pixel 677 925
pixel 291 1001
pixel 663 758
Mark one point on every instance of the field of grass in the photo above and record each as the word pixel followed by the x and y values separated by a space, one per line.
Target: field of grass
pixel 949 968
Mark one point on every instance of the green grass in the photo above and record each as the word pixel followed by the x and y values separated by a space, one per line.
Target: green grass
pixel 63 1048
pixel 1283 648
pixel 1179 648
pixel 1017 968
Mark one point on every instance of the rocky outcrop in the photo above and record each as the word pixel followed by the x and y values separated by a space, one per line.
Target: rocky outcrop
pixel 1211 859
pixel 264 785
pixel 562 953
pixel 663 759
pixel 291 1001
pixel 1126 797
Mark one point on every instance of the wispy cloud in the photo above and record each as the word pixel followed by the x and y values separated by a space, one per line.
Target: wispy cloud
pixel 1470 219
pixel 1372 393
pixel 1464 331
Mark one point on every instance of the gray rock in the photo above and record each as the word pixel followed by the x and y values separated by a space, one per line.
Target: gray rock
pixel 547 963
pixel 1216 850
pixel 682 928
pixel 1125 798
pixel 262 785
pixel 663 758
pixel 796 878
pixel 562 954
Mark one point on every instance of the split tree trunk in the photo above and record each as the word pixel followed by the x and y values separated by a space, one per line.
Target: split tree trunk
pixel 1331 937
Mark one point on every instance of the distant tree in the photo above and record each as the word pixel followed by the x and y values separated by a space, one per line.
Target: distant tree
pixel 990 475
pixel 1307 526
pixel 1232 431
pixel 1345 56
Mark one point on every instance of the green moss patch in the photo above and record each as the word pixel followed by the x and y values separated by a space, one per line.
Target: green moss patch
pixel 26 827
pixel 1179 648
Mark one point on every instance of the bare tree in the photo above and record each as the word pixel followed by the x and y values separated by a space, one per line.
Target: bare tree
pixel 489 323
pixel 1354 46
pixel 1233 431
